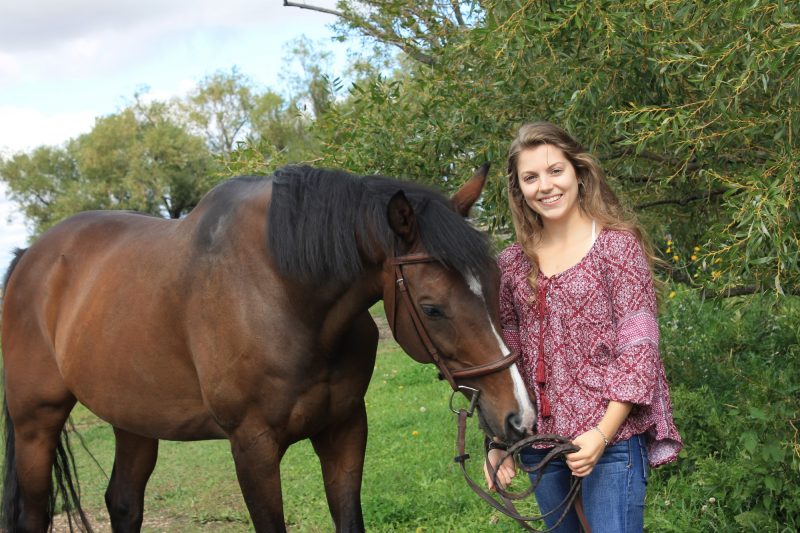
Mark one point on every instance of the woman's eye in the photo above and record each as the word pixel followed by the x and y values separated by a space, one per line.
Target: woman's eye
pixel 432 311
pixel 557 170
pixel 530 177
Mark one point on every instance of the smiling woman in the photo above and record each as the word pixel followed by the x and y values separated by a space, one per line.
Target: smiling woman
pixel 577 300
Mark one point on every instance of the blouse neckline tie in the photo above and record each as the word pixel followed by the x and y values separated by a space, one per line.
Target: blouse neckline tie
pixel 541 374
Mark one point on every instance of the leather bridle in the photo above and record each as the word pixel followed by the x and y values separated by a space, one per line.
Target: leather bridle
pixel 391 302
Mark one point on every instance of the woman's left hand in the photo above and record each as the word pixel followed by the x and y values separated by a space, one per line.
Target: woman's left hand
pixel 592 447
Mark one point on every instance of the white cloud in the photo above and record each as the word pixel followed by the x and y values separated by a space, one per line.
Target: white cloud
pixel 43 38
pixel 23 129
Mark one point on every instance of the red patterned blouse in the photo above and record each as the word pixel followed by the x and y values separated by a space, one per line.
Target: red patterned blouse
pixel 590 336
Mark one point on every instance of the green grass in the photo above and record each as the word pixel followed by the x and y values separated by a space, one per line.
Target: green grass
pixel 734 370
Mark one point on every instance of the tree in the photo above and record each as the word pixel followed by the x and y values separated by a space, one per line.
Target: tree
pixel 690 106
pixel 137 159
pixel 220 109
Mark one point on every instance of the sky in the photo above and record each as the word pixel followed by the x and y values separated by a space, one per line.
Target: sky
pixel 65 62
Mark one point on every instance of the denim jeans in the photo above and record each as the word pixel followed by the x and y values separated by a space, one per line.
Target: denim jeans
pixel 613 494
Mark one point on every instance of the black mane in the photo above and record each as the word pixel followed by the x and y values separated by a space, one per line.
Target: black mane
pixel 317 216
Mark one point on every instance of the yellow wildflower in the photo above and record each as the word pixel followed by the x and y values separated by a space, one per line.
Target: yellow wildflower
pixel 675 257
pixel 669 249
pixel 415 433
pixel 694 257
pixel 672 294
pixel 696 248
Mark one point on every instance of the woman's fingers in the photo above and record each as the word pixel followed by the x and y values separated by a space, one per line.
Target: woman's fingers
pixel 505 472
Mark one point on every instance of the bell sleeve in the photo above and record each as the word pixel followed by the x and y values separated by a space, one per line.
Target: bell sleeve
pixel 632 375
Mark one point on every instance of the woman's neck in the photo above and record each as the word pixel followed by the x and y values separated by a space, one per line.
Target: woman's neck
pixel 561 232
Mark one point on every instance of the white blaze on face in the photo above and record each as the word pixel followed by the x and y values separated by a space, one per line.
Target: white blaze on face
pixel 527 412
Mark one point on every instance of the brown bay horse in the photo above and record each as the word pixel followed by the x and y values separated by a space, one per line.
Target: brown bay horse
pixel 246 320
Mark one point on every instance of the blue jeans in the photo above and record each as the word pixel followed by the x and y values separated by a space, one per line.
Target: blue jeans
pixel 613 494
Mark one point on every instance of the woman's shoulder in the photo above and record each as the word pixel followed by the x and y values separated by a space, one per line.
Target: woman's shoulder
pixel 512 255
pixel 619 242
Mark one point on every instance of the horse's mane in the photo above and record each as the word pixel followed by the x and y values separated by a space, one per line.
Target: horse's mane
pixel 318 218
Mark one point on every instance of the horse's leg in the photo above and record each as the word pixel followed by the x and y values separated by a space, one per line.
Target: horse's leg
pixel 257 455
pixel 341 450
pixel 36 434
pixel 134 459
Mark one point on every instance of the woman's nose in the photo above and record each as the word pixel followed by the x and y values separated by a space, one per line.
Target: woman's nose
pixel 545 184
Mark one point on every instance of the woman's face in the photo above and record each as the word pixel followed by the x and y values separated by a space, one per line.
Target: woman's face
pixel 548 182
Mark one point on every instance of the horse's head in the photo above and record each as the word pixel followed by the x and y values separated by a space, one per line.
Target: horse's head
pixel 449 317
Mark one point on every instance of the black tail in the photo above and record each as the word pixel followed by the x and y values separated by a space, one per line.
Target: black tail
pixel 65 488
pixel 11 495
pixel 65 476
pixel 10 511
pixel 65 485
pixel 17 256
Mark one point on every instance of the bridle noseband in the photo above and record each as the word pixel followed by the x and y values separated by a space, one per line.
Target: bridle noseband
pixel 390 296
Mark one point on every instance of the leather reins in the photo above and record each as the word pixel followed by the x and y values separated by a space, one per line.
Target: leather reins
pixel 561 445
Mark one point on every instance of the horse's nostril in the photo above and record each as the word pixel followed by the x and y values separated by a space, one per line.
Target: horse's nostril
pixel 514 426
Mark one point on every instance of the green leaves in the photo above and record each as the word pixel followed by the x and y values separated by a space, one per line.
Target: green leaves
pixel 691 107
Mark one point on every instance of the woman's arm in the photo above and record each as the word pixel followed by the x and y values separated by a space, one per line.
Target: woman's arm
pixel 593 442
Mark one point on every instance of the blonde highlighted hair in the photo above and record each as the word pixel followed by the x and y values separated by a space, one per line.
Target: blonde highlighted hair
pixel 596 199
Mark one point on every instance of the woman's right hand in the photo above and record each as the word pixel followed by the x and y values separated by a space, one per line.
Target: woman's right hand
pixel 506 472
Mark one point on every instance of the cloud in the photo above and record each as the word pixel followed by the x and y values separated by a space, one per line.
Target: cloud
pixel 24 129
pixel 41 39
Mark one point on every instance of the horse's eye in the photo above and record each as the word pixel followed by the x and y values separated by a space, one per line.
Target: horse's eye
pixel 432 311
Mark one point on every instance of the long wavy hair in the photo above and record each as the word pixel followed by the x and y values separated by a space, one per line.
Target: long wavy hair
pixel 596 199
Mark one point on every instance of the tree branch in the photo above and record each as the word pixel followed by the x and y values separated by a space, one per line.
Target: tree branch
pixel 684 201
pixel 373 32
pixel 744 290
pixel 457 12
pixel 314 8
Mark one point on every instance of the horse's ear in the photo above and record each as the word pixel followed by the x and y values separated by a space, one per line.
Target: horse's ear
pixel 463 200
pixel 402 219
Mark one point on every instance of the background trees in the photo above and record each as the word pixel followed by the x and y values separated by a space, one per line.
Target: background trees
pixel 691 107
pixel 137 159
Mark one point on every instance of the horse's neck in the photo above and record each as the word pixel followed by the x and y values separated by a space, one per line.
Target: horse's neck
pixel 356 299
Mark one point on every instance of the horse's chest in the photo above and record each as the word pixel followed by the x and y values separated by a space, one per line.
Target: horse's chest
pixel 330 400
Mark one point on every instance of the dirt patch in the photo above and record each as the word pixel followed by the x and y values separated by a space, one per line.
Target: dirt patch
pixel 384 331
pixel 152 523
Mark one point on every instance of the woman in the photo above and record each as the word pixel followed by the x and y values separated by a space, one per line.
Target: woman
pixel 577 300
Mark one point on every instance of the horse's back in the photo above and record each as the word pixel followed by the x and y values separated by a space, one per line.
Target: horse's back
pixel 73 259
pixel 96 298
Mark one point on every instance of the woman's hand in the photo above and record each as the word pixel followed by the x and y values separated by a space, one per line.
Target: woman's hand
pixel 506 472
pixel 592 447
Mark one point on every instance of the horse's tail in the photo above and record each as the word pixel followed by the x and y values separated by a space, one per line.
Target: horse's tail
pixel 65 476
pixel 17 256
pixel 11 499
pixel 11 495
pixel 65 488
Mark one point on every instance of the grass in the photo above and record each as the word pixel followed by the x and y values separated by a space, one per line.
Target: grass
pixel 734 379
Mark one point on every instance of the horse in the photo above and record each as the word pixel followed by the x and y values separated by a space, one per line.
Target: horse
pixel 246 320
